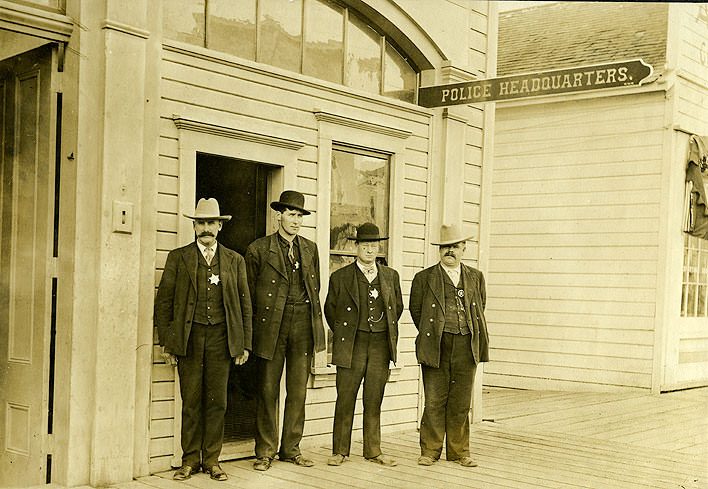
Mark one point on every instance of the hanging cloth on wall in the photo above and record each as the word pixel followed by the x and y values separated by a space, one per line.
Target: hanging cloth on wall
pixel 695 220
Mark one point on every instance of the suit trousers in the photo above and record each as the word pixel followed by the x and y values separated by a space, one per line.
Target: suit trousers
pixel 370 360
pixel 294 350
pixel 203 382
pixel 448 396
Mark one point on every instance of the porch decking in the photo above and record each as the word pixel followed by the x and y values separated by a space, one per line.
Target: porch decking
pixel 529 439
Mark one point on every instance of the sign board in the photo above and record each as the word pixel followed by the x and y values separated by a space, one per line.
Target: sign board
pixel 567 80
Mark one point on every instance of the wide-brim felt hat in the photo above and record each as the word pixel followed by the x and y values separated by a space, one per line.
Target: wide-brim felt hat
pixel 450 235
pixel 367 232
pixel 207 209
pixel 292 199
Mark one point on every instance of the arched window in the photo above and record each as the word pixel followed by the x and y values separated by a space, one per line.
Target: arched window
pixel 319 38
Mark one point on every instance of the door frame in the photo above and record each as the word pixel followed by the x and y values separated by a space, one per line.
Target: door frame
pixel 205 137
pixel 45 266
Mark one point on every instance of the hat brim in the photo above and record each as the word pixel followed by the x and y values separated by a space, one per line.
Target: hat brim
pixel 451 241
pixel 208 218
pixel 279 206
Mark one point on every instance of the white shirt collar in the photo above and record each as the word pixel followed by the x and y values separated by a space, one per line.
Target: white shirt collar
pixel 453 273
pixel 203 248
pixel 363 267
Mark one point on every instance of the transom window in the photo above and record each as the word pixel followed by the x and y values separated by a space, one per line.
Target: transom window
pixel 319 38
pixel 694 299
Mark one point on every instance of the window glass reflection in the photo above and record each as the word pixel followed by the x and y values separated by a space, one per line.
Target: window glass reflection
pixel 232 27
pixel 359 194
pixel 183 20
pixel 324 40
pixel 399 77
pixel 363 56
pixel 280 38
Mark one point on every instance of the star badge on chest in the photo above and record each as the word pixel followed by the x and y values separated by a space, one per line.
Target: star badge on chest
pixel 297 265
pixel 374 293
pixel 214 279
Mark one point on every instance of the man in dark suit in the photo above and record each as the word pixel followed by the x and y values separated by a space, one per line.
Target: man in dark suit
pixel 284 279
pixel 447 306
pixel 203 317
pixel 362 309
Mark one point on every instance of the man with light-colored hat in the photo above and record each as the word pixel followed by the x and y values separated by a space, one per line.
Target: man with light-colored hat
pixel 203 317
pixel 284 279
pixel 363 306
pixel 447 306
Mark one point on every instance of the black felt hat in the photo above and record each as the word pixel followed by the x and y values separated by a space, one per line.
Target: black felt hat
pixel 292 199
pixel 367 232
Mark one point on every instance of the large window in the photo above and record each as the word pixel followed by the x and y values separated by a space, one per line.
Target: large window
pixel 694 299
pixel 319 38
pixel 360 193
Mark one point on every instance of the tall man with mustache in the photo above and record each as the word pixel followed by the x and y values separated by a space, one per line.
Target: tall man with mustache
pixel 284 279
pixel 203 318
pixel 447 306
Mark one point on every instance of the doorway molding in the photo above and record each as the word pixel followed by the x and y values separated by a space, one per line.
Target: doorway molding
pixel 204 137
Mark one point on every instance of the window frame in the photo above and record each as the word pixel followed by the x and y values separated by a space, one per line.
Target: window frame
pixel 341 131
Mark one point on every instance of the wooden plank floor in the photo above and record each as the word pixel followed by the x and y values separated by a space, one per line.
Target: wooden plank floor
pixel 528 439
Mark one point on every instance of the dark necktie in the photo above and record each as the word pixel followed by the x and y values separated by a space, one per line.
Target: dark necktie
pixel 291 252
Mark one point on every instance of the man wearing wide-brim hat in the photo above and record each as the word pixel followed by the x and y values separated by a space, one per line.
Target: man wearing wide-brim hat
pixel 284 279
pixel 203 318
pixel 363 306
pixel 447 306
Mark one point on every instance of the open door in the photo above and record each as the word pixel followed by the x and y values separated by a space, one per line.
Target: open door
pixel 241 189
pixel 27 142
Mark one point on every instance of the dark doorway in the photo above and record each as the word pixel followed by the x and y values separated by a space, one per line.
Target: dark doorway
pixel 241 189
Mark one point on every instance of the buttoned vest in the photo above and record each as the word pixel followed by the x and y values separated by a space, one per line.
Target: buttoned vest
pixel 209 308
pixel 372 310
pixel 455 317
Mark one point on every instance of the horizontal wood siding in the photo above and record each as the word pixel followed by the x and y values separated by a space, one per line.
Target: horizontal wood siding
pixel 231 95
pixel 574 243
pixel 691 334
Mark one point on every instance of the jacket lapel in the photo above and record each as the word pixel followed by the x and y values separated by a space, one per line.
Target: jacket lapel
pixel 305 253
pixel 436 285
pixel 224 264
pixel 275 257
pixel 352 284
pixel 385 288
pixel 190 259
pixel 467 284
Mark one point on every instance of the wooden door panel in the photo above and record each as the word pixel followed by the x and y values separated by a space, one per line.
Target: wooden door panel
pixel 25 227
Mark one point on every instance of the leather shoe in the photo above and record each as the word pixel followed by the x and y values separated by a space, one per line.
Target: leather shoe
pixel 336 459
pixel 184 473
pixel 383 460
pixel 425 460
pixel 262 463
pixel 299 460
pixel 217 473
pixel 465 462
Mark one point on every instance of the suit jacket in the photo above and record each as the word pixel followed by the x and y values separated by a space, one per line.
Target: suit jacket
pixel 177 298
pixel 268 283
pixel 427 307
pixel 342 310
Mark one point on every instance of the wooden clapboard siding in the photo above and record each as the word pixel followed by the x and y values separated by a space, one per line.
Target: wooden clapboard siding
pixel 233 95
pixel 573 252
pixel 688 337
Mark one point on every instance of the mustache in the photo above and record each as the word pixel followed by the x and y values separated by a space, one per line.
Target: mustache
pixel 450 253
pixel 206 233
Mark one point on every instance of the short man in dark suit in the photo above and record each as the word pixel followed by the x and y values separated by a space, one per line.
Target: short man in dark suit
pixel 362 309
pixel 284 279
pixel 203 318
pixel 447 306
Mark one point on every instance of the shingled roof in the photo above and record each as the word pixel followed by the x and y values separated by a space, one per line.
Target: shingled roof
pixel 568 34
